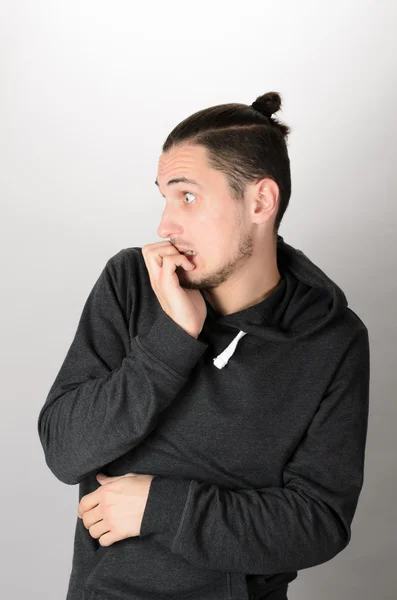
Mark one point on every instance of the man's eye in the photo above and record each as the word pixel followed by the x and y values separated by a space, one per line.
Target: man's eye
pixel 185 193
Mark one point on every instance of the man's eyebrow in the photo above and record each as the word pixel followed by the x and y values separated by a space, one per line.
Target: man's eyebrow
pixel 182 180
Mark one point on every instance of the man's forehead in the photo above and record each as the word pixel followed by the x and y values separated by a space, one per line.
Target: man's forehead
pixel 181 165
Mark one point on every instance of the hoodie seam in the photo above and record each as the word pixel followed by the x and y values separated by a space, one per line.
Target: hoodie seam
pixel 184 512
pixel 158 361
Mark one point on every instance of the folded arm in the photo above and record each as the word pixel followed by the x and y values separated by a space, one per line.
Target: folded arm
pixel 110 390
pixel 278 529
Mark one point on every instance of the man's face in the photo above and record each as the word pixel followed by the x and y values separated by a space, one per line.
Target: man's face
pixel 204 218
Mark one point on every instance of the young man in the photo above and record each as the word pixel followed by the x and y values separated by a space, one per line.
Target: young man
pixel 212 407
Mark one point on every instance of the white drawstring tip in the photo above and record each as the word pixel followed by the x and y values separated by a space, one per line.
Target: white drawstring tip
pixel 222 359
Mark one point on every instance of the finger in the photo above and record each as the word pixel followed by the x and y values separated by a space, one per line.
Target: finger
pixel 170 263
pixel 98 529
pixel 163 253
pixel 92 517
pixel 152 254
pixel 147 248
pixel 107 479
pixel 88 502
pixel 156 259
pixel 107 539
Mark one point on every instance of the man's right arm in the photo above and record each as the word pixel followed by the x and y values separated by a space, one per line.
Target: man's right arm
pixel 110 390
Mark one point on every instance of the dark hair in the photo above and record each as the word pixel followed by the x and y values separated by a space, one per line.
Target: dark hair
pixel 244 142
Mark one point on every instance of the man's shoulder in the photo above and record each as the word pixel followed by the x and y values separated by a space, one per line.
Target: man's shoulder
pixel 127 263
pixel 352 322
pixel 346 328
pixel 126 256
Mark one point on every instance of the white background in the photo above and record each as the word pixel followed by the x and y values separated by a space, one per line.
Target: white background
pixel 89 91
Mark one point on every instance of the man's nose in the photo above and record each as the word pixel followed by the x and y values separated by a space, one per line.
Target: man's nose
pixel 168 226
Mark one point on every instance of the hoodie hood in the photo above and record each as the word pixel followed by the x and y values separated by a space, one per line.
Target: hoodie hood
pixel 304 301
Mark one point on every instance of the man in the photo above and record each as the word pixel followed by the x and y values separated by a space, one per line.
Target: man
pixel 213 406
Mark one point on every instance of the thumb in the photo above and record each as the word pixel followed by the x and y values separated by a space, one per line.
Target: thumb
pixel 102 478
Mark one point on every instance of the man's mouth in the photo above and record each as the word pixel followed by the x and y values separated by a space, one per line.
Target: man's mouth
pixel 190 255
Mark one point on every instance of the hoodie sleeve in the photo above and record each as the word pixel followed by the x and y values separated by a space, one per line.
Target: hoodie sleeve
pixel 110 390
pixel 278 529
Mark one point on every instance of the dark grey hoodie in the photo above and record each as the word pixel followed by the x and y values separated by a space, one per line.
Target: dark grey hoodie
pixel 257 456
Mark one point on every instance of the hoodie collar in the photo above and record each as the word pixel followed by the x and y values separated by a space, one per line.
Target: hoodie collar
pixel 304 301
pixel 261 313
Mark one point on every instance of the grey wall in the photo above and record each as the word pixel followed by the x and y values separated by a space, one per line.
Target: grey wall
pixel 89 90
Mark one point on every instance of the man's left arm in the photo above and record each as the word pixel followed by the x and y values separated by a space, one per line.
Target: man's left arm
pixel 278 529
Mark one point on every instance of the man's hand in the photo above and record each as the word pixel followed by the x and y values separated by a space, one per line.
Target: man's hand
pixel 185 306
pixel 115 510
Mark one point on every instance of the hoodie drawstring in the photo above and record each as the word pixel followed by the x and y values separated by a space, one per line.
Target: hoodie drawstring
pixel 222 359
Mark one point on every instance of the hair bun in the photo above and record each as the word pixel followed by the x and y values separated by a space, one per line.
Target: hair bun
pixel 267 104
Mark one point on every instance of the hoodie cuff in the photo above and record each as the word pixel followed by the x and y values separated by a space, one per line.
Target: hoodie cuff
pixel 172 345
pixel 164 506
